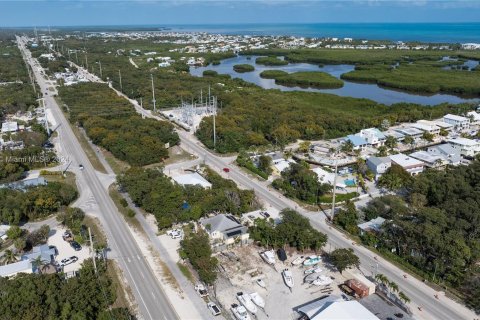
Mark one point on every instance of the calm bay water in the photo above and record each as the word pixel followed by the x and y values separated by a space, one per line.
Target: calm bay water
pixel 350 89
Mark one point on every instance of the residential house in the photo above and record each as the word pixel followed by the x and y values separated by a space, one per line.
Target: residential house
pixel 426 126
pixel 329 177
pixel 430 160
pixel 467 147
pixel 378 165
pixel 358 142
pixel 458 122
pixel 447 152
pixel 443 125
pixel 373 136
pixel 411 165
pixel 392 133
pixel 373 225
pixel 410 131
pixel 224 229
pixel 474 117
pixel 12 269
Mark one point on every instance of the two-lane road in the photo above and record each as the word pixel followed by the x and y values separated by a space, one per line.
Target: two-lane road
pixel 151 299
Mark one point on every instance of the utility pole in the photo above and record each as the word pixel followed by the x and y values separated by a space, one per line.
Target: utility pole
pixel 45 115
pixel 153 95
pixel 86 60
pixel 214 128
pixel 120 76
pixel 101 74
pixel 76 55
pixel 91 248
pixel 332 214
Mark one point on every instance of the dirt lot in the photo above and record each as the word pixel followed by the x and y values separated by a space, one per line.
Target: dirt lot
pixel 240 275
pixel 66 251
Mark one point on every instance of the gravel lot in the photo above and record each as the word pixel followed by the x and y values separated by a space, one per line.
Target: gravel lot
pixel 66 251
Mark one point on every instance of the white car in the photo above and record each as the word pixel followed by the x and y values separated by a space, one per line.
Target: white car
pixel 214 309
pixel 68 261
pixel 175 233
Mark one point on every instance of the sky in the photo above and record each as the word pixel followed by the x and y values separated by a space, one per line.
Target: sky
pixel 144 12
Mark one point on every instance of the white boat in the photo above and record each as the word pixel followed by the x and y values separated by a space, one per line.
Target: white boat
pixel 261 283
pixel 257 299
pixel 322 281
pixel 312 260
pixel 246 301
pixel 298 261
pixel 311 277
pixel 288 278
pixel 240 312
pixel 313 270
pixel 268 256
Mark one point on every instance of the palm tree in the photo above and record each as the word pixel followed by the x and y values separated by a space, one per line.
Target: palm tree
pixel 393 286
pixel 39 264
pixel 403 297
pixel 9 257
pixel 381 278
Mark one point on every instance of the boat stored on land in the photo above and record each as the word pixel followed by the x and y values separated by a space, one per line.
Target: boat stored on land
pixel 312 260
pixel 298 261
pixel 268 256
pixel 246 301
pixel 288 278
pixel 313 270
pixel 261 283
pixel 240 312
pixel 322 281
pixel 257 299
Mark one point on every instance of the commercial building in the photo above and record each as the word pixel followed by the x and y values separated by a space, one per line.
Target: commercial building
pixel 457 121
pixel 466 147
pixel 335 308
pixel 192 179
pixel 411 165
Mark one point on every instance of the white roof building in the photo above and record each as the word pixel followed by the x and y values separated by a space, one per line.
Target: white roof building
pixel 410 164
pixel 457 121
pixel 372 225
pixel 467 147
pixel 192 179
pixel 373 136
pixel 329 177
pixel 335 308
pixel 8 270
pixel 426 126
pixel 282 164
pixel 474 116
pixel 9 126
pixel 430 160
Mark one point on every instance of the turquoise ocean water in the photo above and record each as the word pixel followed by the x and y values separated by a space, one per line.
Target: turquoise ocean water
pixel 426 32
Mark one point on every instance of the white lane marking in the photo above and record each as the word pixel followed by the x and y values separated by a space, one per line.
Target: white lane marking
pixel 138 257
pixel 153 294
pixel 141 273
pixel 129 259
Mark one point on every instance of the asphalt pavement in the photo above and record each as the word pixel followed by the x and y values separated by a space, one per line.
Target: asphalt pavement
pixel 152 302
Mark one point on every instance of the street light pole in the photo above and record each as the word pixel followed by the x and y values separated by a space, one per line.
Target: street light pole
pixel 332 214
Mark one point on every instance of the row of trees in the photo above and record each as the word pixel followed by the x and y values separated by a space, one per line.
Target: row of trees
pixel 262 167
pixel 297 181
pixel 111 122
pixel 90 295
pixel 172 203
pixel 35 203
pixel 294 230
pixel 196 247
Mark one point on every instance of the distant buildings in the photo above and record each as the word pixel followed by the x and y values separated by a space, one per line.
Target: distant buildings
pixel 466 147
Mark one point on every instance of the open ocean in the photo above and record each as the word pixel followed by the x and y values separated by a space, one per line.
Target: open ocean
pixel 426 32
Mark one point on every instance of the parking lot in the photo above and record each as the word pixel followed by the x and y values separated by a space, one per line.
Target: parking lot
pixel 66 251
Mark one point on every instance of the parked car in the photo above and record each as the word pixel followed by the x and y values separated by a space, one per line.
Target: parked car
pixel 67 236
pixel 80 166
pixel 226 170
pixel 213 308
pixel 76 246
pixel 68 261
pixel 201 290
pixel 265 214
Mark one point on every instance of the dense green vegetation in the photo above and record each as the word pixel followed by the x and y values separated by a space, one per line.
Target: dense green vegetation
pixel 263 169
pixel 111 122
pixel 252 116
pixel 271 61
pixel 433 227
pixel 418 78
pixel 50 296
pixel 344 258
pixel 171 203
pixel 241 68
pixel 196 247
pixel 299 182
pixel 35 203
pixel 304 79
pixel 294 230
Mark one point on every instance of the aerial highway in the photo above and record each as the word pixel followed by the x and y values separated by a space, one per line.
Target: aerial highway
pixel 152 302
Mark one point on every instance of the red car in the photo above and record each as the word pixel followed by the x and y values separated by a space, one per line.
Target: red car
pixel 226 170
